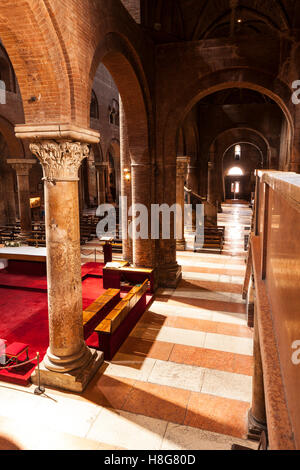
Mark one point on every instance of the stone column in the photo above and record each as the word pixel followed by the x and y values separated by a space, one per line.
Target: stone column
pixel 210 183
pixel 169 272
pixel 257 415
pixel 8 191
pixel 142 248
pixel 294 163
pixel 193 178
pixel 69 363
pixel 126 193
pixel 22 167
pixel 101 168
pixel 210 208
pixel 181 174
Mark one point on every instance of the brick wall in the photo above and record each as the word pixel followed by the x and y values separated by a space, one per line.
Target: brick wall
pixel 134 8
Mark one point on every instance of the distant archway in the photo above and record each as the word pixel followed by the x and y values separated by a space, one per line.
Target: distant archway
pixel 250 79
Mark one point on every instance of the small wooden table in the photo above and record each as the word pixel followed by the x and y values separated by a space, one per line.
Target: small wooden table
pixel 114 276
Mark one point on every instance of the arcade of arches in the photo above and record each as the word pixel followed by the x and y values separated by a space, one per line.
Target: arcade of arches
pixel 174 102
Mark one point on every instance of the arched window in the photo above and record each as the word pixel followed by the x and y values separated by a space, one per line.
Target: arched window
pixel 237 152
pixel 113 109
pixel 235 171
pixel 5 74
pixel 94 108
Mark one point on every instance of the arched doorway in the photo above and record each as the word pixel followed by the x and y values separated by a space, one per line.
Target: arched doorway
pixel 239 164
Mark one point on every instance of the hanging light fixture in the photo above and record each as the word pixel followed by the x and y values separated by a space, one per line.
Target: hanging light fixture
pixel 127 174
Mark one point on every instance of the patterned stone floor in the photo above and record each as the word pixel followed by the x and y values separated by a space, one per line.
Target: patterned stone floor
pixel 182 379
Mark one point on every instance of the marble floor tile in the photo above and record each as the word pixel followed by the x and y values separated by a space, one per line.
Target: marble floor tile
pixel 158 401
pixel 130 367
pixel 231 344
pixel 177 375
pixel 128 430
pixel 217 414
pixel 187 438
pixel 172 335
pixel 227 385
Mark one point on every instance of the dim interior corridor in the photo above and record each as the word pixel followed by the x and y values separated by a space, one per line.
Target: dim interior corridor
pixel 181 380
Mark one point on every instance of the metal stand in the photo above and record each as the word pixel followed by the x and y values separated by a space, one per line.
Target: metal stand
pixel 39 390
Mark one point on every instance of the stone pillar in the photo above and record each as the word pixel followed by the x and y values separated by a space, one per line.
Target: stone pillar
pixel 210 183
pixel 22 167
pixel 169 272
pixel 294 164
pixel 69 363
pixel 126 193
pixel 81 192
pixel 101 168
pixel 8 191
pixel 142 248
pixel 250 303
pixel 257 415
pixel 210 208
pixel 193 178
pixel 181 174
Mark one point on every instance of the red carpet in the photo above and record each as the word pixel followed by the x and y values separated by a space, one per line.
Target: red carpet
pixel 24 312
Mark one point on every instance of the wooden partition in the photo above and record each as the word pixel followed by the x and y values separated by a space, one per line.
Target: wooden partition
pixel 274 262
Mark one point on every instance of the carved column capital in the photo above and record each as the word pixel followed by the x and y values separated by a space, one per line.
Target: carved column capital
pixel 60 159
pixel 21 165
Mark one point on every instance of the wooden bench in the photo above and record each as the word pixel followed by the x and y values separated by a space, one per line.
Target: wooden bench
pixel 98 310
pixel 213 239
pixel 116 326
pixel 36 242
pixel 13 352
pixel 117 277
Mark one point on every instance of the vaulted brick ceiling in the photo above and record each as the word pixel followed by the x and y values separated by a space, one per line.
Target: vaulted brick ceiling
pixel 200 19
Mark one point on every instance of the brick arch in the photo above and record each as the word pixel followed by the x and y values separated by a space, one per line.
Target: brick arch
pixel 238 135
pixel 32 43
pixel 217 81
pixel 98 152
pixel 227 139
pixel 14 145
pixel 122 62
pixel 251 144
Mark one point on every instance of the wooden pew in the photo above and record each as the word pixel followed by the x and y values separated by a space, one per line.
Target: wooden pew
pixel 213 239
pixel 36 242
pixel 116 326
pixel 98 310
pixel 125 277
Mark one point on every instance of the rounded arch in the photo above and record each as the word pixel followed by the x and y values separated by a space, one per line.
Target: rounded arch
pixel 14 145
pixel 240 135
pixel 7 74
pixel 39 65
pixel 98 153
pixel 122 62
pixel 252 79
pixel 252 144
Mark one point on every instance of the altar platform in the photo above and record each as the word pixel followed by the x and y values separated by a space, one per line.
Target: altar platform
pixel 23 260
pixel 23 253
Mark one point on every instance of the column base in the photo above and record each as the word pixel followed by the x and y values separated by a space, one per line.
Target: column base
pixel 169 275
pixel 294 167
pixel 255 427
pixel 75 380
pixel 180 245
